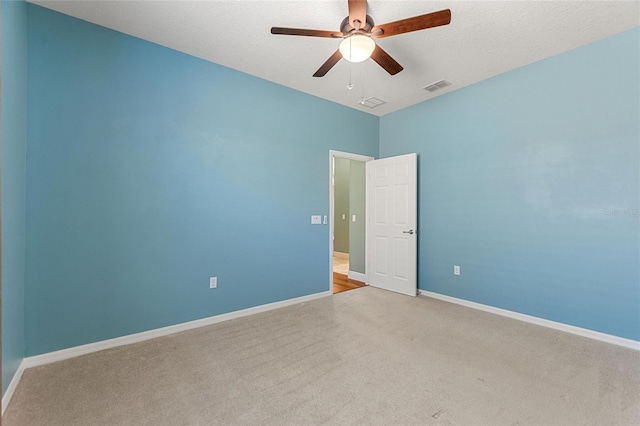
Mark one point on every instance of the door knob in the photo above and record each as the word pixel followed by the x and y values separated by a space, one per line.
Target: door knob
pixel 408 232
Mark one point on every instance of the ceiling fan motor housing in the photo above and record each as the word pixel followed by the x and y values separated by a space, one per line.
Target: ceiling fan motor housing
pixel 347 29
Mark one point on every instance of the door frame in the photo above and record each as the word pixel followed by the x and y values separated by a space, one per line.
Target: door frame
pixel 1 393
pixel 333 154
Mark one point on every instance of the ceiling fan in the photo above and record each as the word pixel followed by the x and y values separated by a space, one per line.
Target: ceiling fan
pixel 358 31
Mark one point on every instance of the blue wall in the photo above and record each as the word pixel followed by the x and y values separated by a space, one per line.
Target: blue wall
pixel 150 171
pixel 14 142
pixel 530 182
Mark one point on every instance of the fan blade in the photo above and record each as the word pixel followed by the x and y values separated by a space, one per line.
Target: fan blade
pixel 328 64
pixel 358 12
pixel 416 23
pixel 303 32
pixel 385 61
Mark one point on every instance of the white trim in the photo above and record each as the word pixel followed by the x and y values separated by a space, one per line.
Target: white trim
pixel 13 384
pixel 358 276
pixel 63 354
pixel 350 156
pixel 584 332
pixel 340 154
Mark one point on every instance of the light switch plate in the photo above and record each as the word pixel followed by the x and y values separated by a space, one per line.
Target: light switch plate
pixel 316 219
pixel 456 270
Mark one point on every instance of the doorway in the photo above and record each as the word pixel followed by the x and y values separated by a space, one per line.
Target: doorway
pixel 348 220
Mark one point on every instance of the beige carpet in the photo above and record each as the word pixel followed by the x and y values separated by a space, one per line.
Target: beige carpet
pixel 361 357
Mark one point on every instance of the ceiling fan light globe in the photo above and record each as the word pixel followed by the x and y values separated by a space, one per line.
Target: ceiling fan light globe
pixel 357 48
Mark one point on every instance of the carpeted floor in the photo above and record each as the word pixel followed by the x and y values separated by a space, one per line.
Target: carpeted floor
pixel 364 356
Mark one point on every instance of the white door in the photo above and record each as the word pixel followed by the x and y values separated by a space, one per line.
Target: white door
pixel 392 224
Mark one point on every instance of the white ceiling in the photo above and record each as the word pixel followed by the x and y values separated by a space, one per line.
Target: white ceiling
pixel 485 38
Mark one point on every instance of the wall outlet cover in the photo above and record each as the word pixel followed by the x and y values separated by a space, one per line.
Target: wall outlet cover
pixel 213 282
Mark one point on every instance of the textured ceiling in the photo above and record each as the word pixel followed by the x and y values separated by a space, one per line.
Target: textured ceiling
pixel 485 38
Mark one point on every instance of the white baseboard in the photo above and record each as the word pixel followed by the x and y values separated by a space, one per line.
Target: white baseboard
pixel 357 276
pixel 63 354
pixel 12 386
pixel 584 332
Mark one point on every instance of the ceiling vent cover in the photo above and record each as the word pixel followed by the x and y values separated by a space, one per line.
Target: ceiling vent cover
pixel 437 86
pixel 371 102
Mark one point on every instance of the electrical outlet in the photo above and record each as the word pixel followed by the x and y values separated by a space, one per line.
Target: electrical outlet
pixel 456 270
pixel 213 282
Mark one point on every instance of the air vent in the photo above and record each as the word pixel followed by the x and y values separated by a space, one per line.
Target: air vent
pixel 437 86
pixel 371 102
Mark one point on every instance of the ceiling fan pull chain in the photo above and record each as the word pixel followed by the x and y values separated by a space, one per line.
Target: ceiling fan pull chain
pixel 363 81
pixel 350 85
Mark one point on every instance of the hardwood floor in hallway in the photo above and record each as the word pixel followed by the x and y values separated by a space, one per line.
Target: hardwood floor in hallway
pixel 343 283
